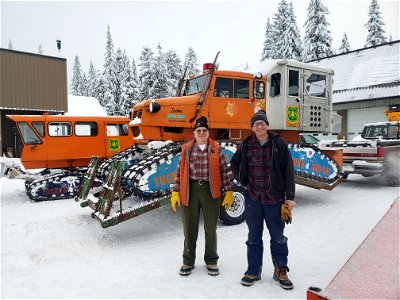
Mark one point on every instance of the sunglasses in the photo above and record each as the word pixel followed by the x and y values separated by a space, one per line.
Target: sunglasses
pixel 262 124
pixel 201 130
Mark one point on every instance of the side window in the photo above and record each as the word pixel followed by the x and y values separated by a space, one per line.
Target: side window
pixel 60 129
pixel 316 85
pixel 39 127
pixel 241 89
pixel 117 129
pixel 293 89
pixel 86 129
pixel 223 87
pixel 275 85
pixel 259 89
pixel 28 135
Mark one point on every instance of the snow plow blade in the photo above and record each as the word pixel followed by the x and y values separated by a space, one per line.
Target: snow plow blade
pixel 372 272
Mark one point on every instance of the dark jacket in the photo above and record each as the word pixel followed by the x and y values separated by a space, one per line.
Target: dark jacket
pixel 282 173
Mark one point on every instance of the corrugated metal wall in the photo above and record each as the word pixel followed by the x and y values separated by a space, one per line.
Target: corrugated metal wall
pixel 33 82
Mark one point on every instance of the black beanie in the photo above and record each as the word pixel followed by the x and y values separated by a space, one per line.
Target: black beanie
pixel 201 122
pixel 260 115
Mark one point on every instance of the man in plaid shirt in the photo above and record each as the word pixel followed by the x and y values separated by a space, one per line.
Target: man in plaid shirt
pixel 201 176
pixel 263 165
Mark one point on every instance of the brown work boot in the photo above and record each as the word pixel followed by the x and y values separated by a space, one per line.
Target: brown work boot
pixel 280 274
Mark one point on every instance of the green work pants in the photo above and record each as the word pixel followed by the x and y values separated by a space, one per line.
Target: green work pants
pixel 200 199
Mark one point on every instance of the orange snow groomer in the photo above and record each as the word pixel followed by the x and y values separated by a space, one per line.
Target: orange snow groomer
pixel 57 141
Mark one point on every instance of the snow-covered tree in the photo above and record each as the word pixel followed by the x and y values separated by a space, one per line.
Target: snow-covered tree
pixel 292 48
pixel 76 83
pixel 161 85
pixel 84 86
pixel 146 62
pixel 191 65
pixel 135 83
pixel 92 81
pixel 40 49
pixel 126 86
pixel 317 38
pixel 106 98
pixel 174 70
pixel 269 43
pixel 280 25
pixel 375 26
pixel 10 45
pixel 345 45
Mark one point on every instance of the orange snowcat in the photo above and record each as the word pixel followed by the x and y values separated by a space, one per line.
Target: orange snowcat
pixel 296 96
pixel 63 146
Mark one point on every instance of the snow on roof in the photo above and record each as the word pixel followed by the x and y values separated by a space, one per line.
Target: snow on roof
pixel 363 74
pixel 84 106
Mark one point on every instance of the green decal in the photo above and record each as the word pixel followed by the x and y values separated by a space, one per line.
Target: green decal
pixel 114 144
pixel 293 114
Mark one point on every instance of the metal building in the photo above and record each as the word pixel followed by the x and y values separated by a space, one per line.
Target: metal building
pixel 366 83
pixel 29 84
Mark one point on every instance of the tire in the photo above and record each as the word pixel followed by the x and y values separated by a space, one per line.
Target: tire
pixel 235 215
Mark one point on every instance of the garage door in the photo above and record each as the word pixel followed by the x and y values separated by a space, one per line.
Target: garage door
pixel 357 118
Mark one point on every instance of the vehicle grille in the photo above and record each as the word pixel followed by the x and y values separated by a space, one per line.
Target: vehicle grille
pixel 137 113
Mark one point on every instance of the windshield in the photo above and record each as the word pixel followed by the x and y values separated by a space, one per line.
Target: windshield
pixel 381 131
pixel 28 135
pixel 195 85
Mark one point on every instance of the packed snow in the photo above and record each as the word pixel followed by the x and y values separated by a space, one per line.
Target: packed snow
pixel 55 249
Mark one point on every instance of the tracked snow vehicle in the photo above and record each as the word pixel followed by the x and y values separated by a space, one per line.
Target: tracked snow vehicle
pixel 296 96
pixel 62 147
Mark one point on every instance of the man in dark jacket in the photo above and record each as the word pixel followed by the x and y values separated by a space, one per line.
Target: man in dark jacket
pixel 264 166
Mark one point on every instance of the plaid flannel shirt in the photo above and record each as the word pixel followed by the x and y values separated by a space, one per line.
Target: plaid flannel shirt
pixel 199 169
pixel 259 162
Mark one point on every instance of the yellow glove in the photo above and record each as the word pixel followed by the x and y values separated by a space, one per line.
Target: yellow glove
pixel 228 200
pixel 175 199
pixel 286 214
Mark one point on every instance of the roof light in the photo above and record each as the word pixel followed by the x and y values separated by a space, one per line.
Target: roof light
pixel 208 67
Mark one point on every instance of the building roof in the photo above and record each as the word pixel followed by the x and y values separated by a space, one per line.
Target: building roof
pixel 364 74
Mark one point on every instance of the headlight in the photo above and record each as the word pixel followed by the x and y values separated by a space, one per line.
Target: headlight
pixel 154 106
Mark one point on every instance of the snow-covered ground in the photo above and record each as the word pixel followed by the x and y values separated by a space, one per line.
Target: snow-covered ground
pixel 56 250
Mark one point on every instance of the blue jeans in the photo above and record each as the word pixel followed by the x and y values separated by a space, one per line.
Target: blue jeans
pixel 255 214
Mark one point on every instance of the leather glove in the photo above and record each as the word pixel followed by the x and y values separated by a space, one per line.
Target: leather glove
pixel 175 199
pixel 286 214
pixel 228 200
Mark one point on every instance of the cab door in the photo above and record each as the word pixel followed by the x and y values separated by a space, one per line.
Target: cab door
pixel 230 102
pixel 116 137
pixel 314 108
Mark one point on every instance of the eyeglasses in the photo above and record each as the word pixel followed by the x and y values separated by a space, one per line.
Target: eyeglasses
pixel 201 130
pixel 262 124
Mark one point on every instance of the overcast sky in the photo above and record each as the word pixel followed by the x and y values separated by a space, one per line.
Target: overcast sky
pixel 236 28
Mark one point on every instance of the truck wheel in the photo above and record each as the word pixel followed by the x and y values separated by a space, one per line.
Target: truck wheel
pixel 235 215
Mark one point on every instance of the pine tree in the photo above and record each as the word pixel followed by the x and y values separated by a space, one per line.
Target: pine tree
pixel 10 45
pixel 125 90
pixel 375 26
pixel 92 79
pixel 76 83
pixel 146 62
pixel 40 49
pixel 345 46
pixel 135 83
pixel 109 80
pixel 84 86
pixel 191 65
pixel 174 70
pixel 292 41
pixel 281 23
pixel 269 43
pixel 160 87
pixel 317 39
